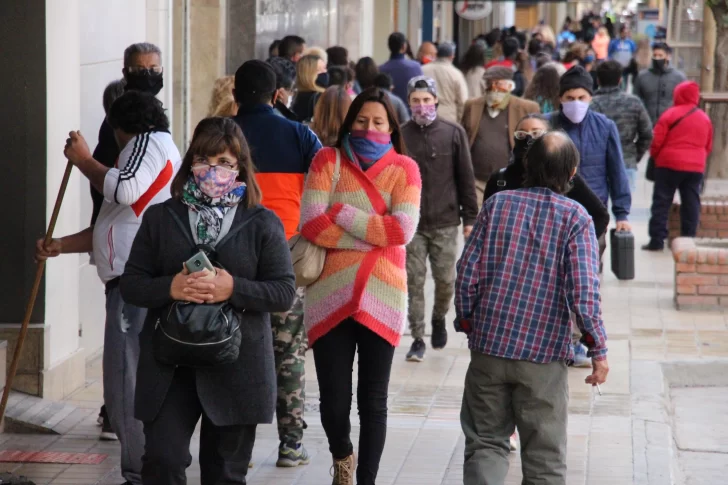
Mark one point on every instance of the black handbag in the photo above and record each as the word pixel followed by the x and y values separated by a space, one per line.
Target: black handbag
pixel 650 171
pixel 198 335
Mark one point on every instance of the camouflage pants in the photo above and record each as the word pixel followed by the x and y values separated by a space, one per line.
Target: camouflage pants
pixel 289 345
pixel 441 246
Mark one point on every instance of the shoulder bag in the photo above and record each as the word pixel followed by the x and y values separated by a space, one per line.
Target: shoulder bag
pixel 308 259
pixel 199 335
pixel 650 172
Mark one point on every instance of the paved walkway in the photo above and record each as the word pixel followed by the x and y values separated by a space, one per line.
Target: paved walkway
pixel 424 442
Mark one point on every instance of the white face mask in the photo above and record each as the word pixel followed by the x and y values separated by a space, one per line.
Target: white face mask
pixel 495 98
pixel 575 111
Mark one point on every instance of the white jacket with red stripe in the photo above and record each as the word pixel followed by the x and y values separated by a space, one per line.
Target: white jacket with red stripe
pixel 142 177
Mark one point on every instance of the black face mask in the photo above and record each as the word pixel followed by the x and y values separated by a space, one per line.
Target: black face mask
pixel 520 147
pixel 659 64
pixel 145 81
pixel 322 80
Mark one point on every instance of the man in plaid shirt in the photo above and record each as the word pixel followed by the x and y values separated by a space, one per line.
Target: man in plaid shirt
pixel 532 259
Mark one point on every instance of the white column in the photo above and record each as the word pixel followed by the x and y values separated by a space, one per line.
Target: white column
pixel 383 26
pixel 508 13
pixel 366 39
pixel 159 33
pixel 63 361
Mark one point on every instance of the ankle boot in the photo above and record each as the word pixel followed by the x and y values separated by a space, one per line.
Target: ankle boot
pixel 343 470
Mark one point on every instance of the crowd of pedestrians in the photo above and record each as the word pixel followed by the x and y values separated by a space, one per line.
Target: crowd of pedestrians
pixel 520 147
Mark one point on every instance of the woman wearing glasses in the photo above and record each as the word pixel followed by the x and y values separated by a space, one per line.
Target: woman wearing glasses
pixel 529 128
pixel 215 204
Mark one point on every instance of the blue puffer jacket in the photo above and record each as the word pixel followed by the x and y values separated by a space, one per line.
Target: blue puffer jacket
pixel 601 164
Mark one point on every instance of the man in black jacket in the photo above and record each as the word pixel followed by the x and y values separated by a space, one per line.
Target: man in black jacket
pixel 442 151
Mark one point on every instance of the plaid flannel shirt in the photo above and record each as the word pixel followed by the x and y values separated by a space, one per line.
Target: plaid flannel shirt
pixel 530 261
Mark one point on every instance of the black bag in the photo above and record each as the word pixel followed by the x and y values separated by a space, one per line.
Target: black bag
pixel 198 335
pixel 650 172
pixel 622 248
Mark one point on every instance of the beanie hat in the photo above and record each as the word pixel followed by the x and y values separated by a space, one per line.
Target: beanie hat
pixel 429 85
pixel 497 73
pixel 254 78
pixel 576 78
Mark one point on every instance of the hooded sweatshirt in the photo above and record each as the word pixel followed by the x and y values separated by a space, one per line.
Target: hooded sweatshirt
pixel 689 143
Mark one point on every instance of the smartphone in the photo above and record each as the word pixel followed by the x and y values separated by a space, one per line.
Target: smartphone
pixel 199 262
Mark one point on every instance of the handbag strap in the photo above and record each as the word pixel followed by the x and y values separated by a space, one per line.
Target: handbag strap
pixel 337 175
pixel 681 118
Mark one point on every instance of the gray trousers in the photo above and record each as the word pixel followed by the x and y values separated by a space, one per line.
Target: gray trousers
pixel 121 356
pixel 441 246
pixel 501 394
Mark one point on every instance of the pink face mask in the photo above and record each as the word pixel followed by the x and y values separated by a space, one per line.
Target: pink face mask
pixel 214 181
pixel 424 114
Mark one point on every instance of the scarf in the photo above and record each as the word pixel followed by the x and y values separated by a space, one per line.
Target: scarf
pixel 210 212
pixel 366 147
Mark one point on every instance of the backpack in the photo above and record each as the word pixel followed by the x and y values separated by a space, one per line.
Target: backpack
pixel 199 335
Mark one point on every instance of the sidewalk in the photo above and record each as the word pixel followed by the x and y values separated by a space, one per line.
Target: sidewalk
pixel 424 443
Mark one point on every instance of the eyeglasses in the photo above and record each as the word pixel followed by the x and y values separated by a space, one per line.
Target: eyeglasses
pixel 502 85
pixel 145 70
pixel 202 161
pixel 521 135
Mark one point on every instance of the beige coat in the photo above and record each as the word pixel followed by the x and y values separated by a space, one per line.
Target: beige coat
pixel 517 109
pixel 476 85
pixel 452 90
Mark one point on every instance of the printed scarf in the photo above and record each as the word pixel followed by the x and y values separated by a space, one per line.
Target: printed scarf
pixel 210 212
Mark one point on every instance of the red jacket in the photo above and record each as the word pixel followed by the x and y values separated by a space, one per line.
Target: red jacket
pixel 689 143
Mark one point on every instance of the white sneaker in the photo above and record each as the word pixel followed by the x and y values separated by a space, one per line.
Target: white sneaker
pixel 514 442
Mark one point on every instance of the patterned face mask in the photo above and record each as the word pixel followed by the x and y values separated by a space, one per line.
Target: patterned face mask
pixel 214 181
pixel 424 114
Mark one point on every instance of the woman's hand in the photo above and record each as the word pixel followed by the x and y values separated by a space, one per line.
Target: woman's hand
pixel 181 291
pixel 213 290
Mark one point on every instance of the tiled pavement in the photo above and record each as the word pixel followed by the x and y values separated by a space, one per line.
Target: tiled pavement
pixel 424 442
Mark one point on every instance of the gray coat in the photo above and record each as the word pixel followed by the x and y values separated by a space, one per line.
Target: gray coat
pixel 655 90
pixel 259 260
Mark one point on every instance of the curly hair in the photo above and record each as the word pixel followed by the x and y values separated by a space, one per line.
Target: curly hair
pixel 544 87
pixel 223 102
pixel 136 112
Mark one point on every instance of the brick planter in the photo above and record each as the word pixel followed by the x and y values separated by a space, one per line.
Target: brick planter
pixel 701 273
pixel 713 219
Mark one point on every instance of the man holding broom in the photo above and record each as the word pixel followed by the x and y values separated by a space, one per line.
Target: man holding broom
pixel 146 165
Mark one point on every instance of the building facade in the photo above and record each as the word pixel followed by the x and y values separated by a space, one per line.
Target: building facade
pixel 58 56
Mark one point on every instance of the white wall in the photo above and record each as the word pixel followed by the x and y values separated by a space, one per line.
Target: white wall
pixel 63 91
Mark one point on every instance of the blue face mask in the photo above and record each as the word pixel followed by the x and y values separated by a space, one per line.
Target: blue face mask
pixel 588 60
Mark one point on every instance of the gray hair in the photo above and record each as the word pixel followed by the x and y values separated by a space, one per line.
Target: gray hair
pixel 140 48
pixel 113 91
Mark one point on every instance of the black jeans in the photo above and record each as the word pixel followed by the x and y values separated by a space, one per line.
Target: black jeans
pixel 334 357
pixel 667 181
pixel 224 450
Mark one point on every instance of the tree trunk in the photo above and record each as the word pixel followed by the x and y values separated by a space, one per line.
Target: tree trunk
pixel 718 112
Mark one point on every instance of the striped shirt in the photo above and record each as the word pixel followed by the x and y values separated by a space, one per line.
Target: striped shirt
pixel 531 260
pixel 141 177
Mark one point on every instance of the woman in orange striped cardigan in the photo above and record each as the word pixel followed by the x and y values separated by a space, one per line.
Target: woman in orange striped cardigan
pixel 360 301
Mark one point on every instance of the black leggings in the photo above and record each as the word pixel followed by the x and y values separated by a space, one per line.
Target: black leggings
pixel 334 357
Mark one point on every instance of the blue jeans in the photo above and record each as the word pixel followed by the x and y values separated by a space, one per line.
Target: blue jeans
pixel 632 176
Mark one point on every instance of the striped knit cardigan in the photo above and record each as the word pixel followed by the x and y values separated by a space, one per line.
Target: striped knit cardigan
pixel 372 216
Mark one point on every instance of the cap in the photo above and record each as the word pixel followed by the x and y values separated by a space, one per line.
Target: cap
pixel 429 85
pixel 497 73
pixel 576 78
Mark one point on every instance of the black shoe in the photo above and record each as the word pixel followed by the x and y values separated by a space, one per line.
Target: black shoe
pixel 417 351
pixel 107 433
pixel 653 246
pixel 439 334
